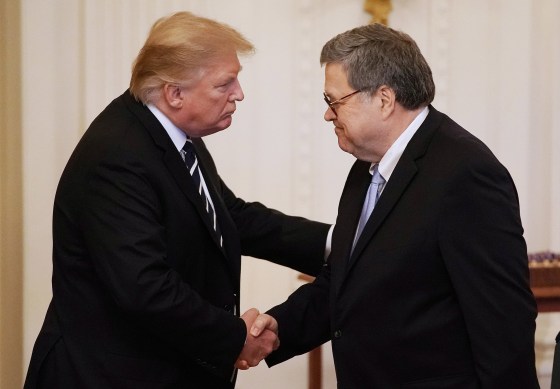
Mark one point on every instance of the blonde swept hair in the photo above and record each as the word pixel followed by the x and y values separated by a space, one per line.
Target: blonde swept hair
pixel 177 49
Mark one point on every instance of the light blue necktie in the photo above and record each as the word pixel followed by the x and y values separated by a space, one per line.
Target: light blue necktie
pixel 374 190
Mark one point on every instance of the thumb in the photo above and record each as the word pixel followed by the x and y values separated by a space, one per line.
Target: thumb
pixel 263 322
pixel 250 315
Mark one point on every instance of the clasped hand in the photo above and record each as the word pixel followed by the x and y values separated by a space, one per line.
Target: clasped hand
pixel 262 338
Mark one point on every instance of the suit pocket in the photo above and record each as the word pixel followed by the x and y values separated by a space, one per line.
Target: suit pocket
pixel 141 369
pixel 462 381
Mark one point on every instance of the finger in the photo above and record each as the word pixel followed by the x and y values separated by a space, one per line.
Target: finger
pixel 250 315
pixel 255 362
pixel 249 318
pixel 242 365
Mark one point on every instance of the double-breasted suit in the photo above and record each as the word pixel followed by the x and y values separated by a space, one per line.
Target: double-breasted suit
pixel 436 292
pixel 143 294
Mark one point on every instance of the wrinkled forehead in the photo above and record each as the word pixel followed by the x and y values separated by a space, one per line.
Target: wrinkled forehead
pixel 220 66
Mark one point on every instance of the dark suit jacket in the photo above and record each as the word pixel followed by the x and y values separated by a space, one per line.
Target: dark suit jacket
pixel 436 293
pixel 143 295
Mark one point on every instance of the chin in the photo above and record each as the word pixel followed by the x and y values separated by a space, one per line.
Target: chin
pixel 344 146
pixel 225 123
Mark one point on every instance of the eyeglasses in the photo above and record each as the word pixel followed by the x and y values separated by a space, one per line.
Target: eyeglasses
pixel 331 104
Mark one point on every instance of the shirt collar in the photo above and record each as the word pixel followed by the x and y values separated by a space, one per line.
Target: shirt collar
pixel 177 136
pixel 391 158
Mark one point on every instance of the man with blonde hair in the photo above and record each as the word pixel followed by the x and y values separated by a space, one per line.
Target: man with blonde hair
pixel 147 237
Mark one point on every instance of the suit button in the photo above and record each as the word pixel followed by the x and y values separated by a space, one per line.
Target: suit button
pixel 227 308
pixel 337 334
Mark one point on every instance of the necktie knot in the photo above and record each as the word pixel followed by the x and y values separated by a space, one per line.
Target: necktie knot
pixel 377 178
pixel 378 182
pixel 189 155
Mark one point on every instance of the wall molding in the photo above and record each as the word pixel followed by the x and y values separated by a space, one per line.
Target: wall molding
pixel 439 38
pixel 11 252
pixel 304 70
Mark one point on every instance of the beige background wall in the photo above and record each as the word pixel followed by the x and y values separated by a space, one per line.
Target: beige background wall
pixel 496 66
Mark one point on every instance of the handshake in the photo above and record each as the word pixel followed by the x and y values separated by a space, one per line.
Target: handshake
pixel 262 338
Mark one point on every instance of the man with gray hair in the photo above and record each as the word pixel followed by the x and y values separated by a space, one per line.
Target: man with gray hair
pixel 427 284
pixel 147 237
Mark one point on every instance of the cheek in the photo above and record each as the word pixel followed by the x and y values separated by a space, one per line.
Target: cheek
pixel 348 130
pixel 219 105
pixel 361 131
pixel 210 112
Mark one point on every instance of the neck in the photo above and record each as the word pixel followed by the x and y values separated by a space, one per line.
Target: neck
pixel 401 119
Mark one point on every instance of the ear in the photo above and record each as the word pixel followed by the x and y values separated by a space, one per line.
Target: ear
pixel 388 100
pixel 173 96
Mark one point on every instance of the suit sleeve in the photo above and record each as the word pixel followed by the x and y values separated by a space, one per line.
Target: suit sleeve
pixel 265 233
pixel 125 235
pixel 485 254
pixel 303 319
pixel 291 241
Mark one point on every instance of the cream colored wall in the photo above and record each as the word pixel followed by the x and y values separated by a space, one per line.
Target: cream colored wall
pixel 495 66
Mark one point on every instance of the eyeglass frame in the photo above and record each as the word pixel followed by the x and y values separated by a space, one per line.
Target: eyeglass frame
pixel 331 104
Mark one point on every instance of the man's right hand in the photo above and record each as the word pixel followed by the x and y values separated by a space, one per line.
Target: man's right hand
pixel 262 339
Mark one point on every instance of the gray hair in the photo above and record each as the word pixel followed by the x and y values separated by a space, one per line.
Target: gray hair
pixel 376 55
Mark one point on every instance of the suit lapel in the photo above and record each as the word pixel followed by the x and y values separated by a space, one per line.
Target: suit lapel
pixel 185 182
pixel 349 210
pixel 227 225
pixel 401 177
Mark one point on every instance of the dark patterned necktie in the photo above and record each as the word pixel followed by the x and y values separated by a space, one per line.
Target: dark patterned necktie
pixel 189 156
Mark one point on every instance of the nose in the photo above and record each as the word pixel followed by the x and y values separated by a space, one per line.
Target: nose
pixel 237 93
pixel 329 115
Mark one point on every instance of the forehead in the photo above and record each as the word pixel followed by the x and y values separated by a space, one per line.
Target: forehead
pixel 223 64
pixel 335 77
